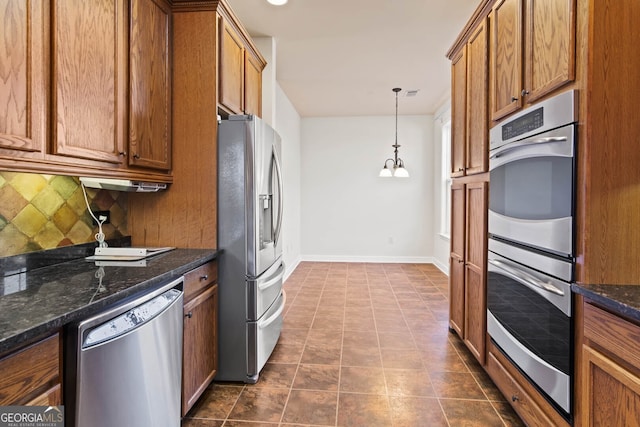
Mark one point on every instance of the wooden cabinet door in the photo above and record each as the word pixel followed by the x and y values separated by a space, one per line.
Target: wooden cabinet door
pixel 475 269
pixel 477 87
pixel 550 46
pixel 150 85
pixel 88 79
pixel 252 85
pixel 611 394
pixel 32 373
pixel 506 57
pixel 456 260
pixel 610 373
pixel 459 112
pixel 200 344
pixel 231 69
pixel 23 75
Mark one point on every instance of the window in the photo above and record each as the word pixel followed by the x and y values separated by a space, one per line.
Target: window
pixel 445 187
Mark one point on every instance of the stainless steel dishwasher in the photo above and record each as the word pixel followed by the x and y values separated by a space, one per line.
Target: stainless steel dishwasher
pixel 124 365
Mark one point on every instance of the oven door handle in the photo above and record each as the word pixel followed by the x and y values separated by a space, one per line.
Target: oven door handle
pixel 515 145
pixel 526 277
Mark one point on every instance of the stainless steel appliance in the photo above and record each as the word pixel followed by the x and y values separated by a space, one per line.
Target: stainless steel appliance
pixel 249 235
pixel 124 366
pixel 531 243
pixel 531 162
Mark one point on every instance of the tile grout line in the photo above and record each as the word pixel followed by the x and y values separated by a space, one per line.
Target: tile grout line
pixel 286 403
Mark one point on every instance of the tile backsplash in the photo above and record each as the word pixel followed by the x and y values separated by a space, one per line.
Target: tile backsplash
pixel 48 211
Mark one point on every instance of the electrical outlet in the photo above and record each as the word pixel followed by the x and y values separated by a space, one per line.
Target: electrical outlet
pixel 98 214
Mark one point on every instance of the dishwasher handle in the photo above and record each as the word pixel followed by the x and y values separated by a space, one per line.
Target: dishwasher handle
pixel 132 319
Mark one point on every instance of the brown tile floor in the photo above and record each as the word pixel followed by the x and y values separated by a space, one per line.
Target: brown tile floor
pixel 362 345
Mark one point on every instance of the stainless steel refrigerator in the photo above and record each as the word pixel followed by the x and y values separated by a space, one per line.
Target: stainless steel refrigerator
pixel 250 267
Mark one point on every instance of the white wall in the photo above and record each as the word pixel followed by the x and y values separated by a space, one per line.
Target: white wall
pixel 288 126
pixel 348 213
pixel 441 243
pixel 336 207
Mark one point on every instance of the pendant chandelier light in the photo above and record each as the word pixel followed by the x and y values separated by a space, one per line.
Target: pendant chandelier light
pixel 398 170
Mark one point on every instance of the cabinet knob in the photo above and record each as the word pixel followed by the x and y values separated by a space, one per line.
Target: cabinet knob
pixel 514 398
pixel 525 92
pixel 189 315
pixel 136 156
pixel 122 153
pixel 205 277
pixel 514 98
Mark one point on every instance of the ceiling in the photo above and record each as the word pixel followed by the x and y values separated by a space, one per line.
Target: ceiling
pixel 343 57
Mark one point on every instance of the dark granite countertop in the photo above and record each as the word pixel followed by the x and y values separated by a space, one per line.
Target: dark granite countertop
pixel 621 299
pixel 37 301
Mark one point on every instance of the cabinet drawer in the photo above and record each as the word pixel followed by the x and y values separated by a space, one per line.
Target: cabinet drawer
pixel 199 278
pixel 31 370
pixel 613 334
pixel 52 397
pixel 519 398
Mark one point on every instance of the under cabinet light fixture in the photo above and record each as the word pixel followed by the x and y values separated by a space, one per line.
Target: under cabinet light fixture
pixel 277 2
pixel 399 170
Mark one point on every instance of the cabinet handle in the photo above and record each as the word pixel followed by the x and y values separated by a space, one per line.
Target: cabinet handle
pixel 122 153
pixel 189 315
pixel 460 261
pixel 460 169
pixel 514 98
pixel 205 277
pixel 136 156
pixel 525 92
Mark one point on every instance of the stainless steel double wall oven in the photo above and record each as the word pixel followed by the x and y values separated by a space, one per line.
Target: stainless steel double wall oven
pixel 531 243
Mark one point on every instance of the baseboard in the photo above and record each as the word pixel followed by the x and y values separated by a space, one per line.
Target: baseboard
pixel 369 259
pixel 289 269
pixel 442 267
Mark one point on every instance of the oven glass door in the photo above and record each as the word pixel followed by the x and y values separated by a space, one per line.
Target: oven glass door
pixel 529 318
pixel 531 194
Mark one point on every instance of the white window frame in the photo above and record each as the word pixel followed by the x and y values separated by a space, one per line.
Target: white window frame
pixel 445 180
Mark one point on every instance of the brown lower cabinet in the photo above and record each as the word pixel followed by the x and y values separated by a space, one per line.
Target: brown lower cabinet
pixel 200 341
pixel 32 375
pixel 528 403
pixel 609 391
pixel 467 281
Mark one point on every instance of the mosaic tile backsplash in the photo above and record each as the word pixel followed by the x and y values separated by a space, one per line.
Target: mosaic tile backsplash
pixel 49 211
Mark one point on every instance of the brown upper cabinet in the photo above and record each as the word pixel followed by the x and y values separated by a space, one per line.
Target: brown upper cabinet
pixel 469 74
pixel 150 85
pixel 88 90
pixel 24 41
pixel 240 72
pixel 252 84
pixel 88 80
pixel 532 51
pixel 231 85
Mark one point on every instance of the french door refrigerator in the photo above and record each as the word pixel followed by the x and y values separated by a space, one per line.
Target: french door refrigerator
pixel 250 267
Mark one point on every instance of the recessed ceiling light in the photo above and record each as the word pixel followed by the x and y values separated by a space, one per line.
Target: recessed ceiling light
pixel 277 2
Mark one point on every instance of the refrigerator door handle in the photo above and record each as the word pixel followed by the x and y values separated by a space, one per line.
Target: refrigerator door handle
pixel 276 162
pixel 265 323
pixel 275 279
